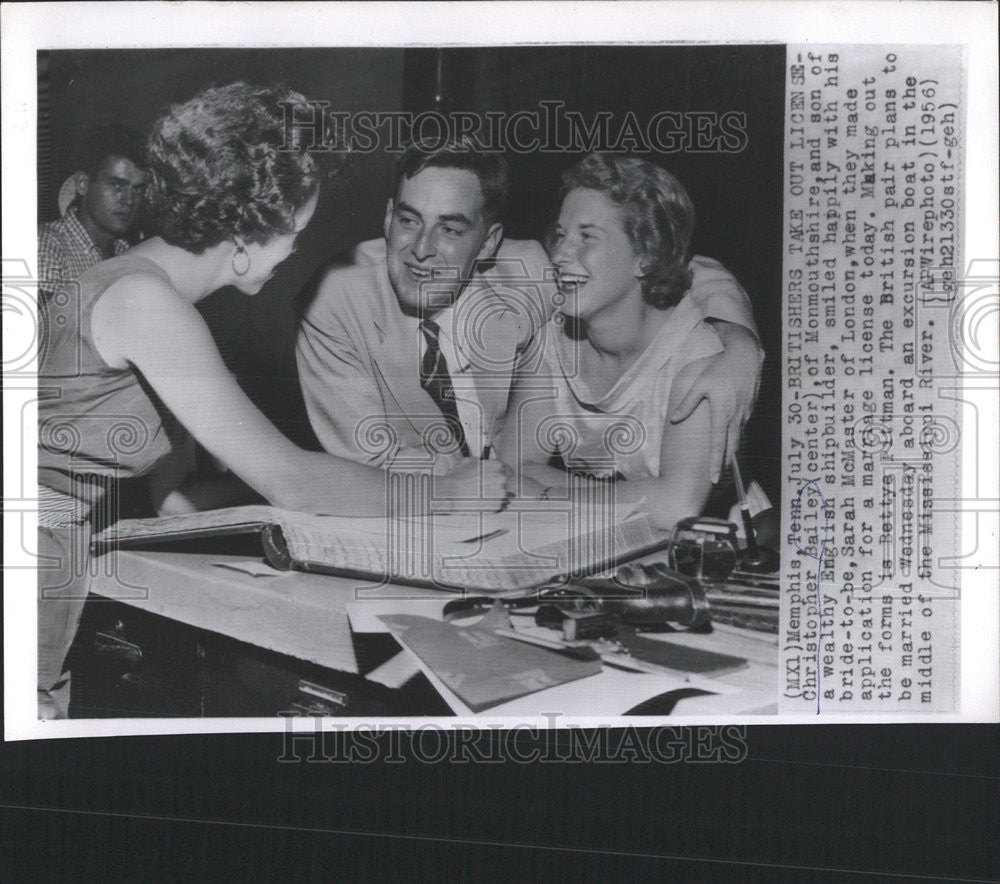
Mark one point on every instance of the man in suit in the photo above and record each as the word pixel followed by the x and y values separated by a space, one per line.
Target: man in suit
pixel 408 356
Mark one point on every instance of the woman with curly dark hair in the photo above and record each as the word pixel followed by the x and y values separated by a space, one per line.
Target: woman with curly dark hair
pixel 623 350
pixel 135 369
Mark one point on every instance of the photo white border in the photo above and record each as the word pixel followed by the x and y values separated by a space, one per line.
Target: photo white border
pixel 27 28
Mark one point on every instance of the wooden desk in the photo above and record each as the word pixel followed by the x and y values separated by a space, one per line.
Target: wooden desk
pixel 304 618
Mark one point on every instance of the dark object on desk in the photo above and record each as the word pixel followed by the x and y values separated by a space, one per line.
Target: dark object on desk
pixel 664 703
pixel 641 596
pixel 758 602
pixel 129 663
pixel 756 559
pixel 752 580
pixel 746 618
pixel 576 625
pixel 751 603
pixel 651 595
pixel 676 658
pixel 704 547
pixel 626 650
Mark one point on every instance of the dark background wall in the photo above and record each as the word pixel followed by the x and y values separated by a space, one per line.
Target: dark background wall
pixel 738 196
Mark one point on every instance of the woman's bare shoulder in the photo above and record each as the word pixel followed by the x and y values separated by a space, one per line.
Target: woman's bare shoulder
pixel 142 292
pixel 141 313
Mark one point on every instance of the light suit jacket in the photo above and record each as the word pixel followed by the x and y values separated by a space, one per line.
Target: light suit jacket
pixel 359 355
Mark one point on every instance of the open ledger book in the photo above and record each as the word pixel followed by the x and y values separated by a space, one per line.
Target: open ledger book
pixel 495 552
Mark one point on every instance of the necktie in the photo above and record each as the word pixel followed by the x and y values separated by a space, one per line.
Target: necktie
pixel 434 378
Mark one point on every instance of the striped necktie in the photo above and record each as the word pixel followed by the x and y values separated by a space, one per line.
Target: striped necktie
pixel 434 378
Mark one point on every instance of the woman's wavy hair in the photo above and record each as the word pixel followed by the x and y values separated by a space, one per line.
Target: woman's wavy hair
pixel 227 163
pixel 657 215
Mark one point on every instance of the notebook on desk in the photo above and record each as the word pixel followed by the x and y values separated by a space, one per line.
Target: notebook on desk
pixel 485 552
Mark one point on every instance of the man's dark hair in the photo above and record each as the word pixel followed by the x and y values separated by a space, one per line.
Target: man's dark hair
pixel 490 168
pixel 110 141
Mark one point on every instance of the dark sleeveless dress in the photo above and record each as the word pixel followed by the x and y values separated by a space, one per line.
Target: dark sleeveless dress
pixel 96 425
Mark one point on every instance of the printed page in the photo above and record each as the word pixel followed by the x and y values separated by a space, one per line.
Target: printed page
pixel 873 260
pixel 840 178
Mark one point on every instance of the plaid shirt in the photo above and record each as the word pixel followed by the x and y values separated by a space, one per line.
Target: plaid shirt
pixel 65 250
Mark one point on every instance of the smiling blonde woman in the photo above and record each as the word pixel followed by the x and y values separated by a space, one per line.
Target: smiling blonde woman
pixel 621 354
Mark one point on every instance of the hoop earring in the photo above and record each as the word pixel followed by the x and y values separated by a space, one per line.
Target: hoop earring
pixel 243 268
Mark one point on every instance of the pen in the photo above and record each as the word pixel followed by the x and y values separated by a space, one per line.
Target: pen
pixel 617 658
pixel 579 652
pixel 741 492
pixel 482 538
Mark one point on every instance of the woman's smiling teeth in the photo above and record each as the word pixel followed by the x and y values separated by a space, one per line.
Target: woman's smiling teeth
pixel 572 280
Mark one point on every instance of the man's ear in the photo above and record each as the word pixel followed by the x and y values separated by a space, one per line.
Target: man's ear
pixel 491 243
pixel 387 221
pixel 81 181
